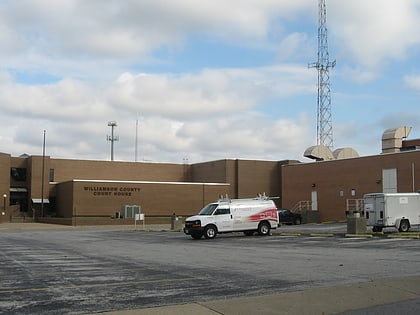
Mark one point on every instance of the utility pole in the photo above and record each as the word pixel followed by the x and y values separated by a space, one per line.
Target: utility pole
pixel 324 117
pixel 112 138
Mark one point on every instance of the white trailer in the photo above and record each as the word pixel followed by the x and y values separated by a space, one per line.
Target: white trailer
pixel 399 210
pixel 234 215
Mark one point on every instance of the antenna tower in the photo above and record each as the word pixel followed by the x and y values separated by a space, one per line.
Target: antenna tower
pixel 324 118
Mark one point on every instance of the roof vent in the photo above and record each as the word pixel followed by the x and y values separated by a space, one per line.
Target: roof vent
pixel 392 139
pixel 319 153
pixel 345 153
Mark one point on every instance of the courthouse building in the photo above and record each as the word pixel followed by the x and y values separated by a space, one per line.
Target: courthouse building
pixel 103 192
pixel 84 192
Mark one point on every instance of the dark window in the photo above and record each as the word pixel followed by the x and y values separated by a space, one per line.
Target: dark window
pixel 18 174
pixel 222 211
pixel 51 175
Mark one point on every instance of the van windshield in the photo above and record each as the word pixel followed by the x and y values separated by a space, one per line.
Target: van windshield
pixel 209 209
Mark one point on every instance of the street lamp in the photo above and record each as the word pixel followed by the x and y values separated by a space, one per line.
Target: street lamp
pixel 4 202
pixel 112 138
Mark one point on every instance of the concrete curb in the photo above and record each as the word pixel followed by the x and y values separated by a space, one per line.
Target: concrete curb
pixel 359 235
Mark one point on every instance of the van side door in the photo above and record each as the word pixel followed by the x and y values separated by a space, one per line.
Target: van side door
pixel 223 218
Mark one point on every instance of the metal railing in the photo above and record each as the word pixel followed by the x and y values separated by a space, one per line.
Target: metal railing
pixel 303 205
pixel 355 205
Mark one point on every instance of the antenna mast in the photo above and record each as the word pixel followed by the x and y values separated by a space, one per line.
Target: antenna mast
pixel 324 118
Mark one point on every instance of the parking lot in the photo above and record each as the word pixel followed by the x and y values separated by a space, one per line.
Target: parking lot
pixel 82 271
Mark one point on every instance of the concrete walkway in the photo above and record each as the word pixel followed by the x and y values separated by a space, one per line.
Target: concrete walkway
pixel 332 300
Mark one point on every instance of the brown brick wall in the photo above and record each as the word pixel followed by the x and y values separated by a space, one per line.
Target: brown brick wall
pixel 334 180
pixel 112 170
pixel 105 198
pixel 64 197
pixel 258 177
pixel 35 166
pixel 246 177
pixel 178 187
pixel 4 175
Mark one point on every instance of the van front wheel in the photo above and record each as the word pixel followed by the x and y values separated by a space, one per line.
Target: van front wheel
pixel 210 232
pixel 264 229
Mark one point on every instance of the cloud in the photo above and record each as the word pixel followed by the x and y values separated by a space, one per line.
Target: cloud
pixel 295 45
pixel 198 113
pixel 371 37
pixel 359 75
pixel 115 29
pixel 413 82
pixel 70 66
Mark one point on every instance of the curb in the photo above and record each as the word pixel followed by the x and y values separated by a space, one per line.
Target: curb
pixel 359 235
pixel 321 234
pixel 289 234
pixel 408 236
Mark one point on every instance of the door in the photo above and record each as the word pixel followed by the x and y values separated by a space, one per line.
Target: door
pixel 374 213
pixel 223 218
pixel 389 180
pixel 314 200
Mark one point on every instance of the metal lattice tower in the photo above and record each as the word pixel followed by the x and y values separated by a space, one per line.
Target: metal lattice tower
pixel 324 117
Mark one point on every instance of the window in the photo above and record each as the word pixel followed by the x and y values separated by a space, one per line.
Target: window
pixel 208 210
pixel 51 177
pixel 222 210
pixel 18 174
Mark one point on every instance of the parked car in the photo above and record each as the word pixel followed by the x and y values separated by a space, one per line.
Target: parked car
pixel 288 217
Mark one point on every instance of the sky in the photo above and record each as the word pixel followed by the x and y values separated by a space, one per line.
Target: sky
pixel 194 81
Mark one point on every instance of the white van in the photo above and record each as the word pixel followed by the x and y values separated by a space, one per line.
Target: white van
pixel 234 215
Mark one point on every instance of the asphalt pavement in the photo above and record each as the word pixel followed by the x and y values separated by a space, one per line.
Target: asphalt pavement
pixel 379 296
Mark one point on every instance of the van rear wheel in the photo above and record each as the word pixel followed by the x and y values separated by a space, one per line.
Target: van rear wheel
pixel 210 232
pixel 264 229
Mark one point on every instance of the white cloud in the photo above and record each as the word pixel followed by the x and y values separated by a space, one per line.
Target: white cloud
pixel 208 93
pixel 413 82
pixel 295 45
pixel 358 74
pixel 200 114
pixel 375 31
pixel 113 29
pixel 89 49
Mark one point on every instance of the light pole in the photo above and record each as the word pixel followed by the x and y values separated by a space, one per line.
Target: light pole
pixel 4 202
pixel 42 177
pixel 112 138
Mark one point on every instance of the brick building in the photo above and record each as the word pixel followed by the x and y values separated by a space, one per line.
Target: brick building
pixel 95 192
pixel 82 192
